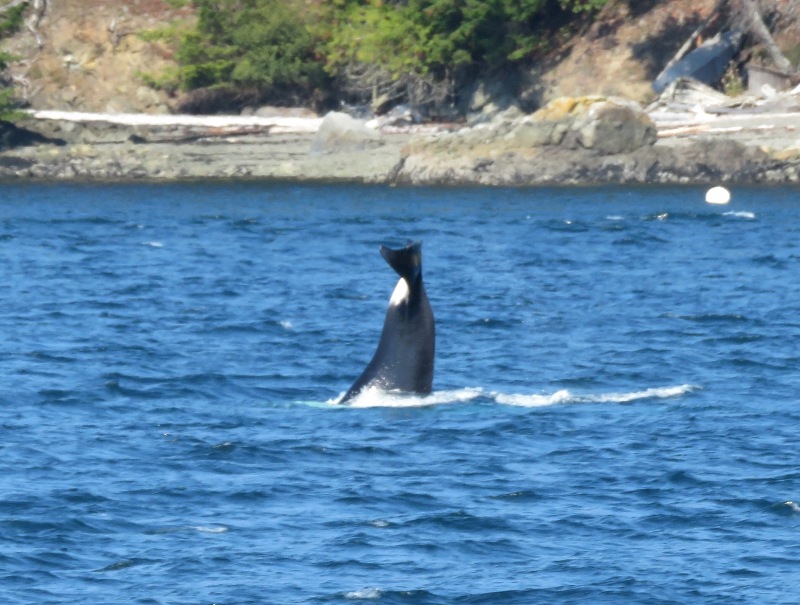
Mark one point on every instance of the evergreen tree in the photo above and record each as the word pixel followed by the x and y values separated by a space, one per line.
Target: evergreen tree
pixel 260 44
pixel 295 47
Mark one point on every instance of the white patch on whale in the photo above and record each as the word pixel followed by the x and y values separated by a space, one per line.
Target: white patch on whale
pixel 400 293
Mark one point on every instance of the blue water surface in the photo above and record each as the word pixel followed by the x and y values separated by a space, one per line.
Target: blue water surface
pixel 615 414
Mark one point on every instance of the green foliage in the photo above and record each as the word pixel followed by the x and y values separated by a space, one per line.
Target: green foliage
pixel 8 106
pixel 168 79
pixel 298 44
pixel 437 35
pixel 10 21
pixel 732 83
pixel 263 44
pixel 170 33
pixel 583 6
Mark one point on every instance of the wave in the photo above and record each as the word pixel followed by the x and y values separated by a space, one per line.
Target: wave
pixel 565 396
pixel 364 593
pixel 376 398
pixel 741 214
pixel 371 398
pixel 793 507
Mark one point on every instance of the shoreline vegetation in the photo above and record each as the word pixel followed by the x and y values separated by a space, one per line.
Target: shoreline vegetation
pixel 425 92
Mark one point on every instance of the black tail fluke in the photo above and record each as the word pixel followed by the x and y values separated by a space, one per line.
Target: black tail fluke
pixel 406 261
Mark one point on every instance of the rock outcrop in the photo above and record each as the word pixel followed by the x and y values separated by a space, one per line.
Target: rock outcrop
pixel 578 141
pixel 582 141
pixel 514 147
pixel 14 135
pixel 604 126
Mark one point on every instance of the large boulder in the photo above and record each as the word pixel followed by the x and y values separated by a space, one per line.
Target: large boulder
pixel 595 125
pixel 341 132
pixel 607 126
pixel 611 127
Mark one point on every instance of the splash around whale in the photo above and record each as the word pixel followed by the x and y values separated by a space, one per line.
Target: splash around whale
pixel 404 358
pixel 372 397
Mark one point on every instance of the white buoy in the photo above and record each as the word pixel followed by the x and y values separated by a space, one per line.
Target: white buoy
pixel 718 195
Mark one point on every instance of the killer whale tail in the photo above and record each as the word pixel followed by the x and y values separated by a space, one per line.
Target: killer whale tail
pixel 404 358
pixel 407 262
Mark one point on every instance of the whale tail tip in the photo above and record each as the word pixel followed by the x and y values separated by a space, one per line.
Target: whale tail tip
pixel 407 262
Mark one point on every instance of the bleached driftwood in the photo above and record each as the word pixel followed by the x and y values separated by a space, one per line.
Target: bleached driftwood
pixel 39 9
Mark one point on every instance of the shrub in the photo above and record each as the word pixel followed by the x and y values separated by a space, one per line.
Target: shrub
pixel 255 44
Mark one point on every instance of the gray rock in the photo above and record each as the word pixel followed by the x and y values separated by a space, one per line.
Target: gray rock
pixel 536 133
pixel 604 126
pixel 610 128
pixel 487 96
pixel 341 132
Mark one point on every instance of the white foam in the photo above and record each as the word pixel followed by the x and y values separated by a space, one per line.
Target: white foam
pixel 154 244
pixel 218 529
pixel 286 324
pixel 456 395
pixel 793 506
pixel 533 401
pixel 653 393
pixel 565 396
pixel 375 398
pixel 741 214
pixel 364 593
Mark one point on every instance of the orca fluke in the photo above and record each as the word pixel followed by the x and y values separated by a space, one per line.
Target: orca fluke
pixel 404 358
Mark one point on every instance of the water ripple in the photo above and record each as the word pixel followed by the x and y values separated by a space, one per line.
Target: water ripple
pixel 614 399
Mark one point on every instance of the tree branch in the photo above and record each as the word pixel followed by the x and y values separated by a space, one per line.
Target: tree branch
pixel 39 8
pixel 757 27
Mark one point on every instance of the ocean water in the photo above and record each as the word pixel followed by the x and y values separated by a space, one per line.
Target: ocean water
pixel 615 415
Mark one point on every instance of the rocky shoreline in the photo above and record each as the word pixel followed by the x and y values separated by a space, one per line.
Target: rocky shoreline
pixel 583 141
